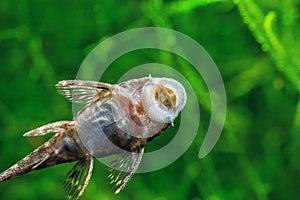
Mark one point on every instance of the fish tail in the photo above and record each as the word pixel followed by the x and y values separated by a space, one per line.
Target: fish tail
pixel 27 164
pixel 63 147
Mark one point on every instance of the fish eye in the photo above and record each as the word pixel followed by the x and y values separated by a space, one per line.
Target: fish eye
pixel 165 96
pixel 171 97
pixel 165 101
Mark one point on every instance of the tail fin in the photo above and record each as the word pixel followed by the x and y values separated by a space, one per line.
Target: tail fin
pixel 62 147
pixel 27 164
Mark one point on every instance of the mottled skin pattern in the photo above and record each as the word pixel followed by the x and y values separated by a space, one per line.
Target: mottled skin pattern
pixel 116 119
pixel 61 148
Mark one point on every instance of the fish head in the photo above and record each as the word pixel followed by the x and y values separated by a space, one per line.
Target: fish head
pixel 163 98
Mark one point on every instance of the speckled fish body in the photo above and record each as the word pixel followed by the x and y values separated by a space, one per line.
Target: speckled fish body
pixel 117 119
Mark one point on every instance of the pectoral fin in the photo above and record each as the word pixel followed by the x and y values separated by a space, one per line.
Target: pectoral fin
pixel 123 168
pixel 78 178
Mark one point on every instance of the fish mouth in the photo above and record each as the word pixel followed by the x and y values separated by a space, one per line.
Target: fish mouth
pixel 170 117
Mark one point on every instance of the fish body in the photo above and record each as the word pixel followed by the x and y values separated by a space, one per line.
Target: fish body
pixel 117 119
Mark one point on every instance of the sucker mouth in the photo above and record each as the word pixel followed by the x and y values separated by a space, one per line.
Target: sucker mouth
pixel 170 117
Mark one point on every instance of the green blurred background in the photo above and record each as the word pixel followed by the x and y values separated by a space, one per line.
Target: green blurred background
pixel 255 45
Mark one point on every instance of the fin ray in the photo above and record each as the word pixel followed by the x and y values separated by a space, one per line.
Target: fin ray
pixel 84 92
pixel 54 127
pixel 123 168
pixel 78 178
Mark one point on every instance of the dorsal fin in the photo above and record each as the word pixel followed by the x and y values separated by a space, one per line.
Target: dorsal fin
pixel 84 92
